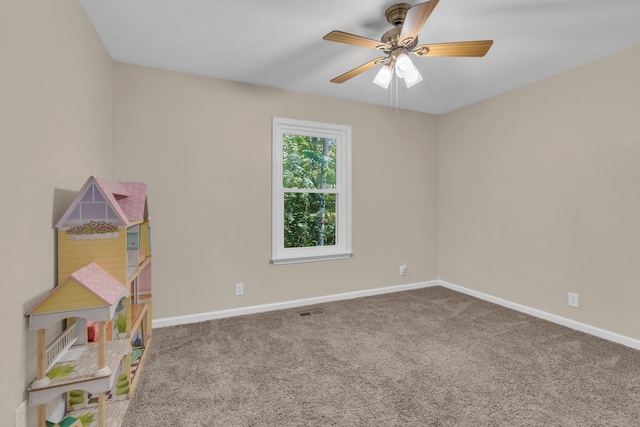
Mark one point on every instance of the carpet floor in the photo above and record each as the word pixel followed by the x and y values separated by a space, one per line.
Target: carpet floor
pixel 426 357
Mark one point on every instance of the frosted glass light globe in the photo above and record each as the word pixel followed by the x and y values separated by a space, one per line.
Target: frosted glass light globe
pixel 403 65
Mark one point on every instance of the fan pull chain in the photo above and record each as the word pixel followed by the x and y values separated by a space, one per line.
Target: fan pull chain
pixel 391 96
pixel 397 90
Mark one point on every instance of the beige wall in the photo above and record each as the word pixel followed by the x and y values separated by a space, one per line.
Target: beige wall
pixel 539 194
pixel 207 145
pixel 536 197
pixel 55 130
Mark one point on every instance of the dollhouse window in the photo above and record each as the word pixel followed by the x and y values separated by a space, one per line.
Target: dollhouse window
pixel 92 207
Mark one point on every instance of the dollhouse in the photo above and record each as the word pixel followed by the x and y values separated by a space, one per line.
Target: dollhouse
pixel 104 295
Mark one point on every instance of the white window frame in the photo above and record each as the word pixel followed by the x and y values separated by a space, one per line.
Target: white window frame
pixel 342 248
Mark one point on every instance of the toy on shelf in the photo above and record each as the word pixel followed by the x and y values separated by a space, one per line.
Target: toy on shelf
pixel 66 422
pixel 103 294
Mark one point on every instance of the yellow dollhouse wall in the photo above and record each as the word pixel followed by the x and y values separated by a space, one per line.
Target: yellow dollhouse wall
pixel 109 254
pixel 144 238
pixel 69 296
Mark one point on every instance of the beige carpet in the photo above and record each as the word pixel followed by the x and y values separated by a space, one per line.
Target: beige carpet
pixel 429 357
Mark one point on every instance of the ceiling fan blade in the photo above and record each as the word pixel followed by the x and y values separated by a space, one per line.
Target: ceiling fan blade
pixel 415 19
pixel 361 69
pixel 342 37
pixel 475 48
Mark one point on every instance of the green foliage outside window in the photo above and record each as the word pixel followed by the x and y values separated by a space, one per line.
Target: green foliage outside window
pixel 309 164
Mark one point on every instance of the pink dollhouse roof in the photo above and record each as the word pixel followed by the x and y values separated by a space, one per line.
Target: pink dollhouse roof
pixel 133 205
pixel 99 282
pixel 128 199
pixel 95 280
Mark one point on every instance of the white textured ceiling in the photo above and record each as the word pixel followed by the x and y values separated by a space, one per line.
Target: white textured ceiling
pixel 278 43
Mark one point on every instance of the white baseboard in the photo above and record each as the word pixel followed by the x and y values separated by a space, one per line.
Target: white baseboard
pixel 582 327
pixel 201 317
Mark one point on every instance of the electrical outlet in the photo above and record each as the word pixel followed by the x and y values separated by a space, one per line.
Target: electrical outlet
pixel 574 300
pixel 403 269
pixel 20 419
pixel 239 289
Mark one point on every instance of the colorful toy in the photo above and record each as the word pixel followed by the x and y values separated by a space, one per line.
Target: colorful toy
pixel 66 422
pixel 104 276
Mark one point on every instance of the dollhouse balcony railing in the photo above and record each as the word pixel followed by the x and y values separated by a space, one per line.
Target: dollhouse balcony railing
pixel 59 347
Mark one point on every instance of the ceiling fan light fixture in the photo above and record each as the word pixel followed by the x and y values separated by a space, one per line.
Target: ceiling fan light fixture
pixel 412 78
pixel 403 65
pixel 383 78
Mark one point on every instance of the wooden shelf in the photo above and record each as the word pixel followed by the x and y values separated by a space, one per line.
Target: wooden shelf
pixel 138 313
pixel 134 380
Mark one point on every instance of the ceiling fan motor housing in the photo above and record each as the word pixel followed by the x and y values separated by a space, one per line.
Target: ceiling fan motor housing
pixel 395 14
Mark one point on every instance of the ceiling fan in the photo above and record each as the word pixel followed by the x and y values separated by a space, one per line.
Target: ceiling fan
pixel 400 41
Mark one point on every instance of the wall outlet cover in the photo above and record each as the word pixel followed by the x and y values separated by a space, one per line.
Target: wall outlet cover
pixel 403 269
pixel 574 300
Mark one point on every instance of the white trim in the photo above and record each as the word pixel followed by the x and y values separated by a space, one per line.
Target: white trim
pixel 201 317
pixel 95 236
pixel 588 329
pixel 310 258
pixel 578 326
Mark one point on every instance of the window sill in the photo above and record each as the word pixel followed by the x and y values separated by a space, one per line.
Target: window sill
pixel 312 258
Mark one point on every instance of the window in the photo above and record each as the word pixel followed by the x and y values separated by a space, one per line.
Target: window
pixel 311 191
pixel 92 207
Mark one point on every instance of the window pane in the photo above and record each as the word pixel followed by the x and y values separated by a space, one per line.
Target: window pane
pixel 309 220
pixel 308 162
pixel 95 211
